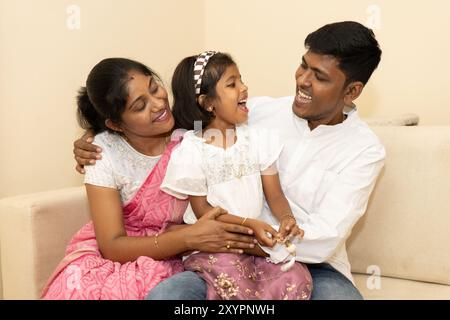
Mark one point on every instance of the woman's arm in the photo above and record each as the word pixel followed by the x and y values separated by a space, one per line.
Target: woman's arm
pixel 206 235
pixel 200 206
pixel 113 242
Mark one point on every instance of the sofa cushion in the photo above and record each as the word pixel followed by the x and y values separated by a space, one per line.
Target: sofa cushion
pixel 386 288
pixel 405 231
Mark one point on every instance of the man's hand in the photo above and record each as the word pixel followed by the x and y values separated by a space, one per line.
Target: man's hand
pixel 85 152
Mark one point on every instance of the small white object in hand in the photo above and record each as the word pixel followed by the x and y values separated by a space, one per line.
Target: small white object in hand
pixel 285 267
pixel 291 248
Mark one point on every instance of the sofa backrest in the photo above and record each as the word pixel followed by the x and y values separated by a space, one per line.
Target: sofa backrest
pixel 405 232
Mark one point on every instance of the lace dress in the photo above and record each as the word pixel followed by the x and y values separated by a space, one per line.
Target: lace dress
pixel 231 179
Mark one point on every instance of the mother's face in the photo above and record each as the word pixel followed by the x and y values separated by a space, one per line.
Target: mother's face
pixel 147 112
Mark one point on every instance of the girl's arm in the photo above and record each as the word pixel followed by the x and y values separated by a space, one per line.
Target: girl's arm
pixel 200 206
pixel 207 234
pixel 278 203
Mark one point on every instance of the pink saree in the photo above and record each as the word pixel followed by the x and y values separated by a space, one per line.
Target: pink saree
pixel 85 274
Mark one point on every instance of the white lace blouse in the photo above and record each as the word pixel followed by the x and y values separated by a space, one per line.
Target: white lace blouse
pixel 121 167
pixel 229 178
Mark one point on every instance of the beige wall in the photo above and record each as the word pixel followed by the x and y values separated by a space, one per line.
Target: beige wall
pixel 43 62
pixel 266 38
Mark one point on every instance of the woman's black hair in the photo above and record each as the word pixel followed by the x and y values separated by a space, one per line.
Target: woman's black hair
pixel 186 109
pixel 106 92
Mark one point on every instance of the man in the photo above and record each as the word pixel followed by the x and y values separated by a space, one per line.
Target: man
pixel 330 161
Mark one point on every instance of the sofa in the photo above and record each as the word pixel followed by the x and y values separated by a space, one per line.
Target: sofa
pixel 400 248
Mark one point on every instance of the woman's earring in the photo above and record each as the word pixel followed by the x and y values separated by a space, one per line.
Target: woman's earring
pixel 210 109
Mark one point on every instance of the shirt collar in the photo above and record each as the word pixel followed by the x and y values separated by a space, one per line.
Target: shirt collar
pixel 350 112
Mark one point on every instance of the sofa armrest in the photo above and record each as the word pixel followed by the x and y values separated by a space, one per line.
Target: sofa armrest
pixel 1 283
pixel 34 232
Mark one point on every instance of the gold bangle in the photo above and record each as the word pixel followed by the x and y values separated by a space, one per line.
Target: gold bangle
pixel 156 240
pixel 245 219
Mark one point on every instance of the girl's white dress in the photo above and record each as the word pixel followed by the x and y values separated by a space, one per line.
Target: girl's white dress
pixel 229 178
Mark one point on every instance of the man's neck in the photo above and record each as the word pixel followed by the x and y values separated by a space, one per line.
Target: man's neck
pixel 338 118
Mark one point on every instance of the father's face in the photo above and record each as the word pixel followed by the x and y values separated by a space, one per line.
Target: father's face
pixel 319 90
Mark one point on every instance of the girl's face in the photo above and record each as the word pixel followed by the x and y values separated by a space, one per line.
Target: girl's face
pixel 147 112
pixel 230 105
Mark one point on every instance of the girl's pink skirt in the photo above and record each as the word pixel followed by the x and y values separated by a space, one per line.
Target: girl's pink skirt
pixel 242 277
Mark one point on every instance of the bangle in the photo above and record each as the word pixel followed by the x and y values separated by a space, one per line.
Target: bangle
pixel 245 219
pixel 156 240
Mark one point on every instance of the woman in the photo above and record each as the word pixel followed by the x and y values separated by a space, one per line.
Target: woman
pixel 134 239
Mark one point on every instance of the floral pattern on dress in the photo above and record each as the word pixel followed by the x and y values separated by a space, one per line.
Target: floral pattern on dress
pixel 241 276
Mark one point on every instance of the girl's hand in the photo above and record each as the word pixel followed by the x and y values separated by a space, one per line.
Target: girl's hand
pixel 289 228
pixel 85 152
pixel 264 233
pixel 210 235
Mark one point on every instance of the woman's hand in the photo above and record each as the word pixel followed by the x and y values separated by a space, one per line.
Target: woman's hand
pixel 85 152
pixel 209 235
pixel 289 228
pixel 264 233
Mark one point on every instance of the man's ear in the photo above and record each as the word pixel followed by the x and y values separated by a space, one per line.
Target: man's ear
pixel 352 92
pixel 111 125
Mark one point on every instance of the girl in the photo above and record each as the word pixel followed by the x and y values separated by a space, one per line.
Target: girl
pixel 132 242
pixel 226 164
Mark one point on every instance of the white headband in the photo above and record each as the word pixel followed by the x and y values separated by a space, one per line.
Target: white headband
pixel 199 68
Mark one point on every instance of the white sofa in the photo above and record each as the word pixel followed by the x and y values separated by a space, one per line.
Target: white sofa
pixel 400 249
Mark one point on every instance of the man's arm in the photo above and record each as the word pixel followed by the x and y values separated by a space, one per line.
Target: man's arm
pixel 344 203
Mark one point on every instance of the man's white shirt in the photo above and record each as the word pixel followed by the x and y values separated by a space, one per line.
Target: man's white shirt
pixel 327 175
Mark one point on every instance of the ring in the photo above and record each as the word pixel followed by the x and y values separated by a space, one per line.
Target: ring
pixel 228 245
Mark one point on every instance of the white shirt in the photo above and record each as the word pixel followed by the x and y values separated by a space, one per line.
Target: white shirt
pixel 121 167
pixel 327 175
pixel 229 178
